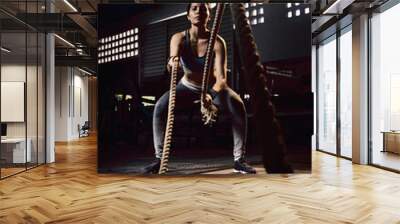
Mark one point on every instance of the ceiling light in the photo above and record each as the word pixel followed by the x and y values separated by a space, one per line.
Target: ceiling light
pixel 70 5
pixel 84 71
pixel 333 6
pixel 65 41
pixel 5 50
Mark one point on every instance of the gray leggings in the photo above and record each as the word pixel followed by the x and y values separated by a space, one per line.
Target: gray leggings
pixel 226 99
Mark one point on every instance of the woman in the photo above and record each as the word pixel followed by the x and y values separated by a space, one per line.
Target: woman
pixel 191 46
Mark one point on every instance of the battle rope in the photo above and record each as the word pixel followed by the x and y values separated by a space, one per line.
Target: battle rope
pixel 268 132
pixel 209 113
pixel 170 117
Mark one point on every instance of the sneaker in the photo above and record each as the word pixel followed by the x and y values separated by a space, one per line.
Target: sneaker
pixel 153 167
pixel 242 167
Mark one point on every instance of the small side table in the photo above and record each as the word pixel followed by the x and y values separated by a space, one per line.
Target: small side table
pixel 391 141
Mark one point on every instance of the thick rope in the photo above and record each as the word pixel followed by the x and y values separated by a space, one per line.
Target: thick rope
pixel 209 113
pixel 170 117
pixel 269 134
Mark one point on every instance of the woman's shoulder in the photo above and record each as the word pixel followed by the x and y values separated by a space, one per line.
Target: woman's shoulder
pixel 179 35
pixel 220 42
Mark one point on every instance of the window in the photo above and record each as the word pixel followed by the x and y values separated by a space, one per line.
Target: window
pixel 346 94
pixel 327 96
pixel 385 88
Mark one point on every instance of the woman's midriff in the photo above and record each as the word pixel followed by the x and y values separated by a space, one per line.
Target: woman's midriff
pixel 197 79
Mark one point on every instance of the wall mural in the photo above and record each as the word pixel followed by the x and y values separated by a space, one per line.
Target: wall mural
pixel 254 112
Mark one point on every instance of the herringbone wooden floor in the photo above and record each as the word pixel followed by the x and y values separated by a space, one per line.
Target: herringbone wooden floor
pixel 71 191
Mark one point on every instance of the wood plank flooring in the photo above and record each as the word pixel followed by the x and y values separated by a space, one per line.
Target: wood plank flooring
pixel 71 191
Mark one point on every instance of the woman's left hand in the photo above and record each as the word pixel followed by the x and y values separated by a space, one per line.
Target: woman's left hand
pixel 207 101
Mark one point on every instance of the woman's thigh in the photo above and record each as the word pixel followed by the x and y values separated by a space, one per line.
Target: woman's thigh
pixel 185 98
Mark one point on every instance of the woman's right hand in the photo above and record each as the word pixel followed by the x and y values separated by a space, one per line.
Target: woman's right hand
pixel 171 63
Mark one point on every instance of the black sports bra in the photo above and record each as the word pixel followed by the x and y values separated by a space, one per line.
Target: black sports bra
pixel 191 63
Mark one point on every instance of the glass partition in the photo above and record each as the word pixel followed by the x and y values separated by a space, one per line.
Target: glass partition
pixel 13 108
pixel 22 88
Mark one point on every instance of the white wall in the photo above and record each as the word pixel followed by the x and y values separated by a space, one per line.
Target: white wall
pixel 71 93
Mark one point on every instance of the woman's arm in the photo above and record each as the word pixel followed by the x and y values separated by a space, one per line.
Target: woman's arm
pixel 220 65
pixel 175 44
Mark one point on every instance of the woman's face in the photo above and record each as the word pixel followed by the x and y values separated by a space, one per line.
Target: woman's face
pixel 198 14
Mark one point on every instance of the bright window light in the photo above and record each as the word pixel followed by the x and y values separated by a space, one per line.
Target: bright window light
pixel 136 45
pixel 247 14
pixel 136 30
pixel 297 12
pixel 261 11
pixel 254 12
pixel 296 4
pixel 253 4
pixel 289 5
pixel 136 37
pixel 124 49
pixel 261 20
pixel 254 21
pixel 246 5
pixel 307 10
pixel 289 14
pixel 136 52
